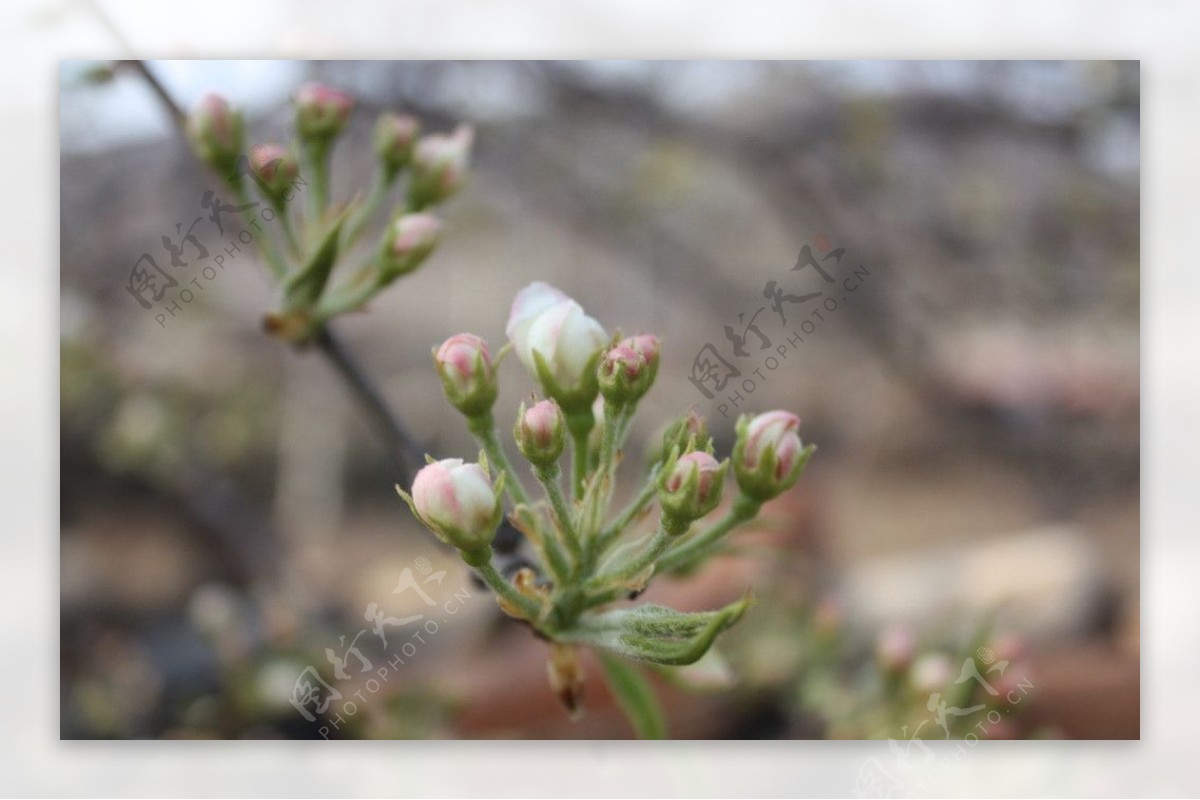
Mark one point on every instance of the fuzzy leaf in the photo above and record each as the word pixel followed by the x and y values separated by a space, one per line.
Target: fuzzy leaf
pixel 657 634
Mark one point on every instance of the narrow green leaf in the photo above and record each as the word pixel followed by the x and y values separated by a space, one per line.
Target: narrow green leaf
pixel 635 696
pixel 304 287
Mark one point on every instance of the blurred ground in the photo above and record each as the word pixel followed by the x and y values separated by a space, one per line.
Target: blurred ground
pixel 227 514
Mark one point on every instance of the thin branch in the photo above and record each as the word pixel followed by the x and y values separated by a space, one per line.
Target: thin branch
pixel 406 454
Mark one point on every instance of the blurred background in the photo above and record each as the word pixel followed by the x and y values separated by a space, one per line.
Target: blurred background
pixel 228 516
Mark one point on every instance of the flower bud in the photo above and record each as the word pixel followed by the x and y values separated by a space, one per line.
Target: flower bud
pixel 274 169
pixel 439 164
pixel 646 344
pixel 395 135
pixel 558 343
pixel 895 647
pixel 541 433
pixel 456 501
pixel 408 242
pixel 769 457
pixel 689 432
pixel 691 486
pixel 468 376
pixel 931 672
pixel 215 130
pixel 624 375
pixel 321 112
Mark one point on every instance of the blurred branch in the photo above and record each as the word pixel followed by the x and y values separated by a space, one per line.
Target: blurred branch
pixel 400 443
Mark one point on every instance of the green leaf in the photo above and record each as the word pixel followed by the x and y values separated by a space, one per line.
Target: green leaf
pixel 635 696
pixel 712 673
pixel 304 287
pixel 655 633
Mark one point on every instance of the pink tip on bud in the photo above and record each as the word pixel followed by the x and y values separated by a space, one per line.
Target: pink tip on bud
pixel 541 433
pixel 215 130
pixel 769 455
pixel 440 165
pixel 395 135
pixel 468 375
pixel 692 486
pixel 274 167
pixel 647 344
pixel 625 374
pixel 457 502
pixel 895 647
pixel 321 112
pixel 415 234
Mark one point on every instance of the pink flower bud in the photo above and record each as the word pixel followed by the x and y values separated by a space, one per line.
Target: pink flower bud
pixel 895 647
pixel 439 163
pixel 468 376
pixel 395 135
pixel 777 430
pixel 215 130
pixel 541 432
pixel 769 455
pixel 547 327
pixel 411 239
pixel 691 487
pixel 457 502
pixel 274 167
pixel 624 375
pixel 689 432
pixel 321 112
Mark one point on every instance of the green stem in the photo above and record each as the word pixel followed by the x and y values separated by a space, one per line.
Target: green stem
pixel 380 185
pixel 274 260
pixel 483 427
pixel 317 155
pixel 635 696
pixel 669 530
pixel 549 479
pixel 615 529
pixel 699 547
pixel 580 426
pixel 503 588
pixel 289 232
pixel 346 297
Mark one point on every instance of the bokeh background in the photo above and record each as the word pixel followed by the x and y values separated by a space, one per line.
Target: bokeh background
pixel 228 512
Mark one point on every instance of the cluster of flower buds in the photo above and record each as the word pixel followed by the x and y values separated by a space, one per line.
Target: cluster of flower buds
pixel 584 559
pixel 316 241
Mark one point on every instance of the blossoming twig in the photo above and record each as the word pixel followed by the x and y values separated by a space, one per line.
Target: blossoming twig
pixel 586 560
